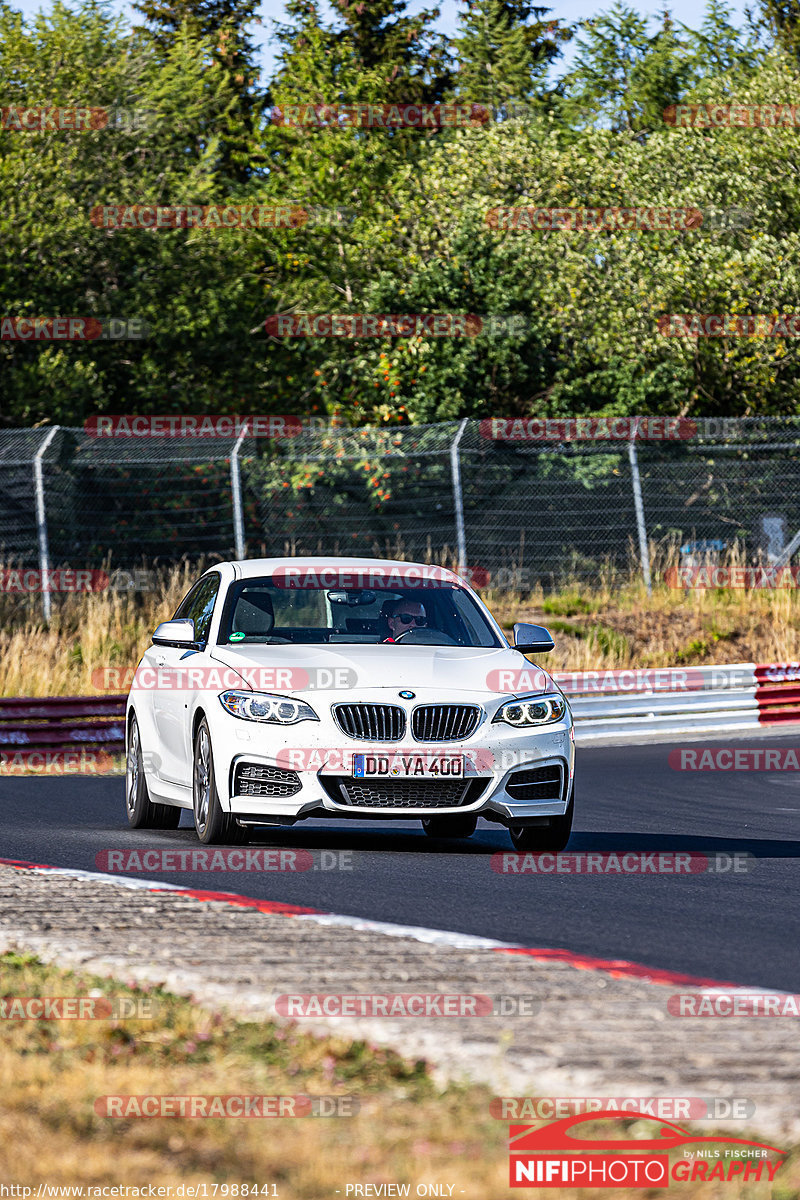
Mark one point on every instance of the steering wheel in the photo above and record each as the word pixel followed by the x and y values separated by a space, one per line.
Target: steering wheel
pixel 426 637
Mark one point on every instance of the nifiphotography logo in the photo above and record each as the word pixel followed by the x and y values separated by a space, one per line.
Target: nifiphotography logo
pixel 556 1155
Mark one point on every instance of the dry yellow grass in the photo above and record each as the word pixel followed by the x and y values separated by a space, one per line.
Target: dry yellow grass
pixel 407 1129
pixel 51 1073
pixel 87 633
pixel 610 623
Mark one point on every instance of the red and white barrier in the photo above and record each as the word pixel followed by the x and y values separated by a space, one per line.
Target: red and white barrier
pixel 61 734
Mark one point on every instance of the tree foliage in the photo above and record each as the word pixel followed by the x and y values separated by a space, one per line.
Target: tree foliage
pixel 504 48
pixel 398 216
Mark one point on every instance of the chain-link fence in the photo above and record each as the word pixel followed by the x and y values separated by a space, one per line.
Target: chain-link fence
pixel 504 499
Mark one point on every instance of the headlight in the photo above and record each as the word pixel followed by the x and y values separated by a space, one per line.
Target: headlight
pixel 544 710
pixel 260 706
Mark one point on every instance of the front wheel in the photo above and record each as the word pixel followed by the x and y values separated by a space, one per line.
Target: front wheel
pixel 548 839
pixel 211 823
pixel 142 812
pixel 449 827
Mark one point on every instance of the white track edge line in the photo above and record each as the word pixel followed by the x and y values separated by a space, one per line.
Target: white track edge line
pixel 420 933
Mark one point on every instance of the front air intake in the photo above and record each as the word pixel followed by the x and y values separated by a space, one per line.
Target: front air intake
pixel 259 779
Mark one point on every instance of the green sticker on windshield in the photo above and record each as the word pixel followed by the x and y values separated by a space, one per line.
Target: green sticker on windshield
pixel 236 637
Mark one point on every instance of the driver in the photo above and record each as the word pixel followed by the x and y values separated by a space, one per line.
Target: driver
pixel 404 615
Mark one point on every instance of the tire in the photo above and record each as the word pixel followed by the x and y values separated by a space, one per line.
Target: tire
pixel 211 824
pixel 142 812
pixel 449 827
pixel 545 839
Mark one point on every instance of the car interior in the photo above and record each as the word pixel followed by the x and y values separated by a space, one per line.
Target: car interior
pixel 261 613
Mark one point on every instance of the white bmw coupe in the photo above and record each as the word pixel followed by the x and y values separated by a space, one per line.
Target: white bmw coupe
pixel 290 688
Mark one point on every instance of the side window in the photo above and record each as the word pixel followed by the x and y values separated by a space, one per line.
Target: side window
pixel 183 608
pixel 199 606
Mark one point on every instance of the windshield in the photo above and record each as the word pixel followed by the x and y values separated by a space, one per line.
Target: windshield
pixel 260 611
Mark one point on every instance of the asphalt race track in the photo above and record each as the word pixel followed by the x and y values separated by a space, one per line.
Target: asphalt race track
pixel 739 927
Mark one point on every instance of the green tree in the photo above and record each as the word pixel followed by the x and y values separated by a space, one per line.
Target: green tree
pixel 504 49
pixel 412 58
pixel 329 267
pixel 223 26
pixel 781 20
pixel 719 47
pixel 590 302
pixel 192 288
pixel 411 236
pixel 624 77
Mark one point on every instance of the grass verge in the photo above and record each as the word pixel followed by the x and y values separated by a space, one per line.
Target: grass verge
pixel 407 1129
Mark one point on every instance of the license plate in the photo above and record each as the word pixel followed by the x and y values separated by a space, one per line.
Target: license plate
pixel 408 766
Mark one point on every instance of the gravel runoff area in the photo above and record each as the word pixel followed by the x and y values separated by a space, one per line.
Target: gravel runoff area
pixel 576 1032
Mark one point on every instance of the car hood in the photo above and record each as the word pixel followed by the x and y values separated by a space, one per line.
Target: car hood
pixel 435 668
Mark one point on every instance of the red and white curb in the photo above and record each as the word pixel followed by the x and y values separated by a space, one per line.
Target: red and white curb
pixel 618 968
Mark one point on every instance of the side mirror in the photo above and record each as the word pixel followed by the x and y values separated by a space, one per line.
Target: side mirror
pixel 532 639
pixel 175 633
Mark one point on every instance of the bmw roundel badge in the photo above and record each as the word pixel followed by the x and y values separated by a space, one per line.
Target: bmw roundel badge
pixel 407 695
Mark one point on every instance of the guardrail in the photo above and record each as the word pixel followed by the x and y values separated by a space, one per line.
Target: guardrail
pixel 630 702
pixel 715 699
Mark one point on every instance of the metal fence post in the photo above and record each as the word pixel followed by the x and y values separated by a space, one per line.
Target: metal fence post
pixel 41 522
pixel 458 498
pixel 639 507
pixel 236 494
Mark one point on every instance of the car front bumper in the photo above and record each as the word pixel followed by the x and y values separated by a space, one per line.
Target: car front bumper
pixel 319 755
